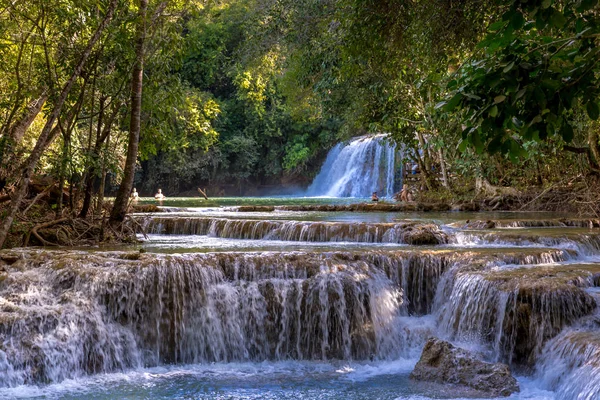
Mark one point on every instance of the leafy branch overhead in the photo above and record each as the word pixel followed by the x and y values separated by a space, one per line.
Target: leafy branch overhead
pixel 535 72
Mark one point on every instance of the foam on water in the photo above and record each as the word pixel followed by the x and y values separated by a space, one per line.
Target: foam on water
pixel 265 380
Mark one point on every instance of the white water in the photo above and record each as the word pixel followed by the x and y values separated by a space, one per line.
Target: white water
pixel 267 380
pixel 357 169
pixel 340 320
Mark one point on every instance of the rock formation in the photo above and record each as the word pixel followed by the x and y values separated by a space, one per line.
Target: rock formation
pixel 442 362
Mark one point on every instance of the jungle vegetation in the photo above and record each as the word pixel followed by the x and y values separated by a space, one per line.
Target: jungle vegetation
pixel 104 95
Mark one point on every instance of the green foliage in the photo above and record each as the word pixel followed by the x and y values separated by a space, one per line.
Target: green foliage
pixel 538 71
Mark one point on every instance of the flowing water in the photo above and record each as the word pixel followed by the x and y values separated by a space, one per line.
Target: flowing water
pixel 358 168
pixel 217 302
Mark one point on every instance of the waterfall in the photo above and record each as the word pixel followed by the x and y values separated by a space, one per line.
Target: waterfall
pixel 356 169
pixel 341 292
pixel 570 363
pixel 297 231
pixel 511 311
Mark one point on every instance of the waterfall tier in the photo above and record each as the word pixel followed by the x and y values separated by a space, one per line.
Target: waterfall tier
pixel 570 363
pixel 516 310
pixel 65 314
pixel 358 168
pixel 306 231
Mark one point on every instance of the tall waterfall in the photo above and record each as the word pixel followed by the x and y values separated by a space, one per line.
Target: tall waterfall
pixel 357 169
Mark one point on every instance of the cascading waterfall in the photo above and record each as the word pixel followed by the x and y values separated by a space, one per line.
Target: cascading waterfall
pixel 514 316
pixel 307 231
pixel 570 363
pixel 527 298
pixel 63 315
pixel 82 314
pixel 356 169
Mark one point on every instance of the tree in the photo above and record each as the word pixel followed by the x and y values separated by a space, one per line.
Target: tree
pixel 48 134
pixel 538 69
pixel 120 207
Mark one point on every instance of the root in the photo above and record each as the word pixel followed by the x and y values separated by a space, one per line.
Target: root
pixel 36 228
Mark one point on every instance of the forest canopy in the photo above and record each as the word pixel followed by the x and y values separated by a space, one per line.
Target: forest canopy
pixel 238 95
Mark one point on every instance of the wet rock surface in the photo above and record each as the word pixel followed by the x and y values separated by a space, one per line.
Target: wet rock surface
pixel 374 207
pixel 442 362
pixel 529 223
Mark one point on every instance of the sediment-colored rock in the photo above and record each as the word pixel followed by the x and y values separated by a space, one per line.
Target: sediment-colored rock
pixel 254 208
pixel 442 362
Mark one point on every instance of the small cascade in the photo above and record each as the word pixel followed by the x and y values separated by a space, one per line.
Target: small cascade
pixel 514 311
pixel 297 231
pixel 581 243
pixel 570 363
pixel 62 316
pixel 356 169
pixel 529 223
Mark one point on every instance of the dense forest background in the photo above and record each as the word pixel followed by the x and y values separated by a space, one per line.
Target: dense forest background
pixel 239 96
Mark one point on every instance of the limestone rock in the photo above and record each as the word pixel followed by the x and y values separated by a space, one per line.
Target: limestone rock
pixel 428 234
pixel 442 362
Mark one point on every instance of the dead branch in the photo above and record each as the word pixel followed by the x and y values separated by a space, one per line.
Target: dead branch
pixel 203 193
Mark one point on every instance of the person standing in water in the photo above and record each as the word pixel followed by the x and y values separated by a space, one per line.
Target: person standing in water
pixel 160 195
pixel 374 197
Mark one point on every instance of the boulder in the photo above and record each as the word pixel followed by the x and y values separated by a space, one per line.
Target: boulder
pixel 423 235
pixel 442 362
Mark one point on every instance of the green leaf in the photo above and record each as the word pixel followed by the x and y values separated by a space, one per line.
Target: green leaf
pixel 540 97
pixel 493 112
pixel 476 141
pixel 495 145
pixel 546 3
pixel 496 26
pixel 509 67
pixel 566 132
pixel 585 5
pixel 558 19
pixel 517 21
pixel 520 93
pixel 453 102
pixel 593 110
pixel 463 145
pixel 499 99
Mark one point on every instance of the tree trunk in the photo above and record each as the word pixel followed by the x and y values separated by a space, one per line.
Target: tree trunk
pixel 425 162
pixel 45 138
pixel 100 200
pixel 101 136
pixel 17 131
pixel 445 180
pixel 593 142
pixel 121 201
pixel 92 157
